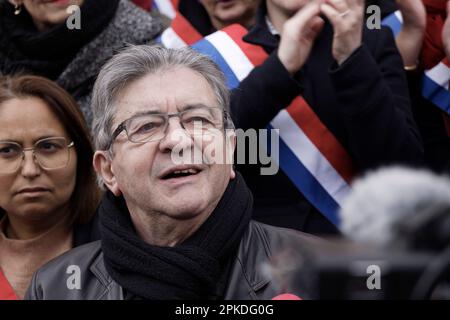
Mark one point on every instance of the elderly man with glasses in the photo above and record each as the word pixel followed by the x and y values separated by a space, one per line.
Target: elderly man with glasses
pixel 171 228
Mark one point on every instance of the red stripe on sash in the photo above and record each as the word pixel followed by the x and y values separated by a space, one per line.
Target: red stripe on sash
pixel 185 30
pixel 322 138
pixel 6 291
pixel 254 53
pixel 446 62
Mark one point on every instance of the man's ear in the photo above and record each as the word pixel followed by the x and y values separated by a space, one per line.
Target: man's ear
pixel 15 2
pixel 233 172
pixel 103 166
pixel 231 149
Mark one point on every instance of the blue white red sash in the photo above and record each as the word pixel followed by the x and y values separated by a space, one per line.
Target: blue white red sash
pixel 435 83
pixel 310 155
pixel 180 33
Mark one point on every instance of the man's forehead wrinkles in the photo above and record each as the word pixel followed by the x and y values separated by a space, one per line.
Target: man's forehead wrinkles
pixel 161 106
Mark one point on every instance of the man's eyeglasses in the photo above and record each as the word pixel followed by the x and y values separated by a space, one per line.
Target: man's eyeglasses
pixel 50 153
pixel 153 126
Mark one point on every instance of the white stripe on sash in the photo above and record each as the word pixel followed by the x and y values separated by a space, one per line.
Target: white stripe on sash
pixel 170 39
pixel 440 75
pixel 166 8
pixel 232 54
pixel 399 16
pixel 310 156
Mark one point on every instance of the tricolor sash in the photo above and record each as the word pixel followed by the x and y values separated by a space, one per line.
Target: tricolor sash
pixel 180 33
pixel 310 155
pixel 6 291
pixel 435 82
pixel 166 7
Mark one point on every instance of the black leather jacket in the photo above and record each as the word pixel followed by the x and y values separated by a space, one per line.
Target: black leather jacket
pixel 247 280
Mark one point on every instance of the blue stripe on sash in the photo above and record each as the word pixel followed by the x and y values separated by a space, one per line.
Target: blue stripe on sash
pixel 436 94
pixel 205 47
pixel 393 22
pixel 306 182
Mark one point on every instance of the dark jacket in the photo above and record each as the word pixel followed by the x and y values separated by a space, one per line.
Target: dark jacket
pixel 364 103
pixel 129 25
pixel 247 279
pixel 431 124
pixel 196 14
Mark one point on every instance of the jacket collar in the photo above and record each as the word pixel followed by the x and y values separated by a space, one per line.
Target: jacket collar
pixel 254 240
pixel 260 34
pixel 110 287
pixel 247 279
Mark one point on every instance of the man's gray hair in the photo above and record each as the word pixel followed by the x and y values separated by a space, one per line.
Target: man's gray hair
pixel 135 62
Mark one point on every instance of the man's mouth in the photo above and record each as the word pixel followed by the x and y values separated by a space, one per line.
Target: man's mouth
pixel 180 172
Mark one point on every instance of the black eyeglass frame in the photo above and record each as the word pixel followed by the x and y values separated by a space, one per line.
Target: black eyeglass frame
pixel 227 123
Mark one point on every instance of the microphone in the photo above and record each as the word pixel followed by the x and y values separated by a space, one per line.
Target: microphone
pixel 398 222
pixel 398 207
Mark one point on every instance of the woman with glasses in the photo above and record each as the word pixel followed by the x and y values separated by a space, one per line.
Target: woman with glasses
pixel 48 191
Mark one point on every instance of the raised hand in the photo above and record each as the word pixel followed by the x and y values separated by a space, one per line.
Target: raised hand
pixel 347 18
pixel 409 40
pixel 298 36
pixel 414 14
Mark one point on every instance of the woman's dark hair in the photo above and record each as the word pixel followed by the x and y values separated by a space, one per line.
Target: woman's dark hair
pixel 86 195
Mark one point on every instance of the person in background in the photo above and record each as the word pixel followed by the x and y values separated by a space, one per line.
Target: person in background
pixel 48 190
pixel 424 42
pixel 220 14
pixel 34 38
pixel 193 20
pixel 353 86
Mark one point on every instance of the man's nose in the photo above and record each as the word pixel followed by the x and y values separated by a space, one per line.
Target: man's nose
pixel 176 136
pixel 30 167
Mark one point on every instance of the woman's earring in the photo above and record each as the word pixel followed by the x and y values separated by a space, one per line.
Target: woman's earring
pixel 18 9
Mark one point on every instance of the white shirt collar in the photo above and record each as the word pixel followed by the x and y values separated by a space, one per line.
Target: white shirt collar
pixel 271 27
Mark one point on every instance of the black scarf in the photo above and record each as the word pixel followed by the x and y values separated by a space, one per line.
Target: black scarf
pixel 192 270
pixel 48 53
